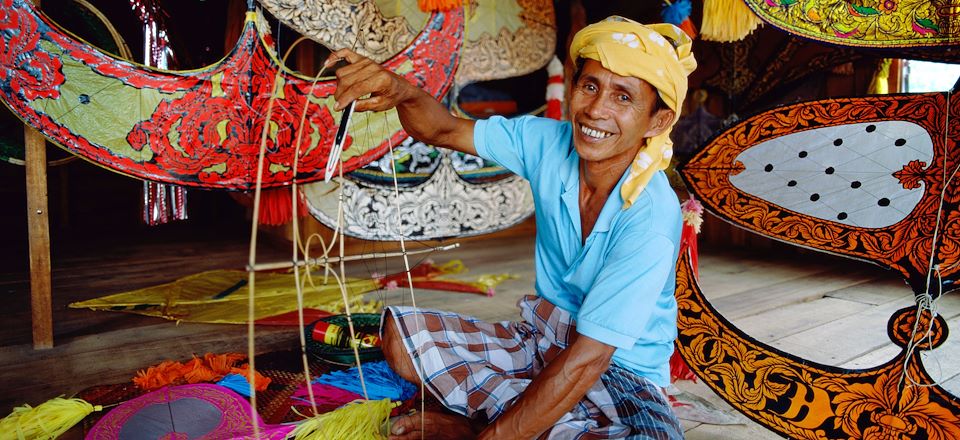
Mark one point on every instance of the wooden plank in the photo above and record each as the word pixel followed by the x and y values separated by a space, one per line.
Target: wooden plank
pixel 794 318
pixel 841 341
pixel 758 300
pixel 876 292
pixel 38 226
pixel 728 273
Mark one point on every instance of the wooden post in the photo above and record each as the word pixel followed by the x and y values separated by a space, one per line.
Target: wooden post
pixel 38 226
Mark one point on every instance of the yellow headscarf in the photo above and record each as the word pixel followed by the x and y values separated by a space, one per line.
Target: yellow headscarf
pixel 658 54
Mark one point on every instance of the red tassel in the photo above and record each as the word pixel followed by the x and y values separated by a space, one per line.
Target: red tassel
pixel 679 369
pixel 688 243
pixel 690 28
pixel 692 212
pixel 275 205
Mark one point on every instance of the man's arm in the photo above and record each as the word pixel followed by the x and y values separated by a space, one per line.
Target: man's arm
pixel 422 116
pixel 554 391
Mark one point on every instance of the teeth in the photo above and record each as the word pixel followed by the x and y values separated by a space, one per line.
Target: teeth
pixel 594 133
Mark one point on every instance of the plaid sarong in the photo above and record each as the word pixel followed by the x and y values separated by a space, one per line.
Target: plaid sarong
pixel 478 369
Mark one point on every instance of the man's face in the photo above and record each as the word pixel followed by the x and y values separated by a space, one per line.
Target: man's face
pixel 612 114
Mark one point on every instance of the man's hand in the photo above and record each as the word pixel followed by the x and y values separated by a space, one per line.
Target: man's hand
pixel 362 76
pixel 375 88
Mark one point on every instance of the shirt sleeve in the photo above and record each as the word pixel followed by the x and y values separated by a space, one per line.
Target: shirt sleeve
pixel 625 302
pixel 517 144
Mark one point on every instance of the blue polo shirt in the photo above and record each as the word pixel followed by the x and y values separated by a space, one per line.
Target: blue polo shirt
pixel 619 283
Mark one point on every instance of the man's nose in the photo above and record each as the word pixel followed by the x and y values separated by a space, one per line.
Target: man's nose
pixel 597 107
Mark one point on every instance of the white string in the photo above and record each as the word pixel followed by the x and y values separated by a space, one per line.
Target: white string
pixel 926 301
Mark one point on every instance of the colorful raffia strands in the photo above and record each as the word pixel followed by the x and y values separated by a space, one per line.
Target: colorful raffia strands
pixel 210 368
pixel 931 25
pixel 46 421
pixel 199 128
pixel 360 420
pixel 381 382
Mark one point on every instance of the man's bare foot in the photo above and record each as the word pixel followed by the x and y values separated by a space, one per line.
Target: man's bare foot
pixel 435 425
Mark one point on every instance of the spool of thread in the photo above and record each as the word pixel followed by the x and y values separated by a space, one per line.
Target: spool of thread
pixel 335 335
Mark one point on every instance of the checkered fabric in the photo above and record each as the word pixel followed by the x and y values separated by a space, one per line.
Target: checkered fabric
pixel 478 369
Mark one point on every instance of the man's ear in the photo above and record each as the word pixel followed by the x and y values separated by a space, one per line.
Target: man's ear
pixel 660 122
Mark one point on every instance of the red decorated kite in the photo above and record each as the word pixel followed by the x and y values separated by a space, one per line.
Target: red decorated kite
pixel 202 127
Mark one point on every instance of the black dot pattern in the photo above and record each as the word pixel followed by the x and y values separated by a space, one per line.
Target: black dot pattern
pixel 84 98
pixel 838 163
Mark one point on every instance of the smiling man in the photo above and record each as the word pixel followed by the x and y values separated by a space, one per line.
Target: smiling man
pixel 592 352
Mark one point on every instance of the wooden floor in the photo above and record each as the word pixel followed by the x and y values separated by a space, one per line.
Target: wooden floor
pixel 822 308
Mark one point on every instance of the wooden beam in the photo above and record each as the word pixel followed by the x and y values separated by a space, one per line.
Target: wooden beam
pixel 38 226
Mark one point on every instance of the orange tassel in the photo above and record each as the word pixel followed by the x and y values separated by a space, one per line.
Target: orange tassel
pixel 210 368
pixel 438 5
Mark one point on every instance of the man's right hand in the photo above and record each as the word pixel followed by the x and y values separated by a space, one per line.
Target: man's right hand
pixel 362 76
pixel 375 88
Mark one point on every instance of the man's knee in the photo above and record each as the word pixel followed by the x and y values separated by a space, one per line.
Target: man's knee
pixel 394 350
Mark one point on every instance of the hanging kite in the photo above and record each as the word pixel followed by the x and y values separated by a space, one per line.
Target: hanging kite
pixel 926 29
pixel 868 178
pixel 203 127
pixel 87 22
pixel 443 206
pixel 504 38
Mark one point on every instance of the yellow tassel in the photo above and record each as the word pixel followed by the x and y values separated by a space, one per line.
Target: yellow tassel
pixel 727 20
pixel 438 5
pixel 360 420
pixel 46 421
pixel 880 84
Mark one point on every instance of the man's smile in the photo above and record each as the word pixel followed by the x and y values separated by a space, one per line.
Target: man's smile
pixel 594 133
